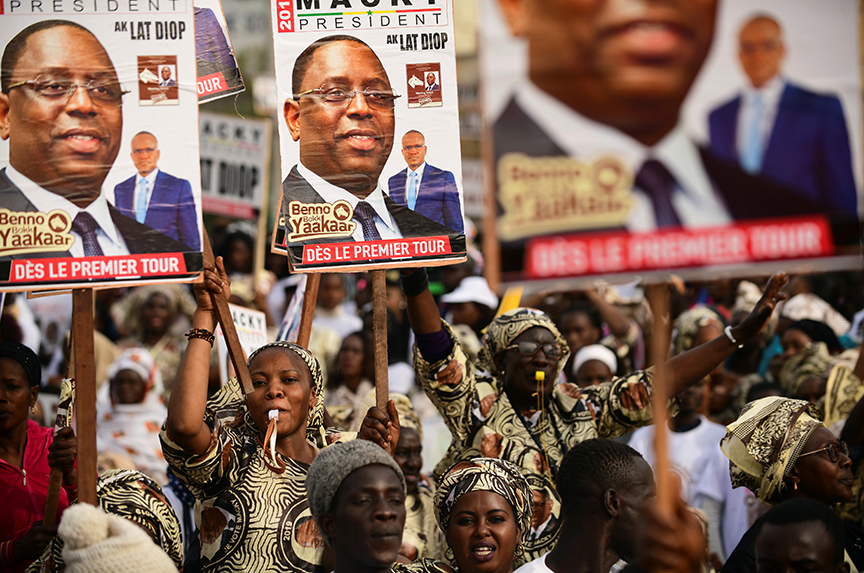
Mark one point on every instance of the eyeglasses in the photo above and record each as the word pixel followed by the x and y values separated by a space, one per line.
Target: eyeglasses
pixel 56 89
pixel 338 96
pixel 529 349
pixel 833 449
pixel 413 147
pixel 144 151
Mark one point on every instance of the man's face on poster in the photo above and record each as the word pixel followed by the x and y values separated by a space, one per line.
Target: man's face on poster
pixel 761 50
pixel 166 73
pixel 611 59
pixel 345 143
pixel 145 153
pixel 414 150
pixel 64 142
pixel 430 79
pixel 542 508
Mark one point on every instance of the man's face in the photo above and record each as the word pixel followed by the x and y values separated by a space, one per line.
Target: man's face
pixel 346 143
pixel 542 508
pixel 145 153
pixel 367 519
pixel 66 145
pixel 795 547
pixel 166 73
pixel 414 150
pixel 633 497
pixel 620 62
pixel 430 79
pixel 761 50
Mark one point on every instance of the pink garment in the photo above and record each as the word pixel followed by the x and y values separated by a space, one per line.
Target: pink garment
pixel 24 493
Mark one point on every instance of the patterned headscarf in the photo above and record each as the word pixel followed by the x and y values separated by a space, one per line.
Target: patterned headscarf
pixel 127 311
pixel 484 474
pixel 230 398
pixel 813 361
pixel 133 496
pixel 506 327
pixel 687 326
pixel 764 443
pixel 141 362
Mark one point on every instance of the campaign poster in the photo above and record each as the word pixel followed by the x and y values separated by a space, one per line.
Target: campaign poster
pixel 235 163
pixel 369 134
pixel 686 135
pixel 99 178
pixel 218 72
pixel 251 326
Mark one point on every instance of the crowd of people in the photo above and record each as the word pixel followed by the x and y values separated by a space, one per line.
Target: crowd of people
pixel 521 441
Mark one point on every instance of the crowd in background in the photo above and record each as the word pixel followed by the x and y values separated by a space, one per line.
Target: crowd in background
pixel 546 409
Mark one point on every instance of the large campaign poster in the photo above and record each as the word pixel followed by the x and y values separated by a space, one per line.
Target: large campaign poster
pixel 99 178
pixel 687 135
pixel 218 71
pixel 370 133
pixel 235 164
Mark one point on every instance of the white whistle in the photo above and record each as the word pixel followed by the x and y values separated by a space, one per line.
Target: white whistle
pixel 273 415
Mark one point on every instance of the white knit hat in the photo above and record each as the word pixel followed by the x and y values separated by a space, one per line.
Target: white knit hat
pixel 96 542
pixel 595 352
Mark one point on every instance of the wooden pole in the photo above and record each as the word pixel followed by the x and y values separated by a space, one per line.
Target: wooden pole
pixel 379 323
pixel 235 350
pixel 55 481
pixel 658 298
pixel 307 313
pixel 85 376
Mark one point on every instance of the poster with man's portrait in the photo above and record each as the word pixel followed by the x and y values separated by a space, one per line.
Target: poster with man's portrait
pixel 371 174
pixel 92 94
pixel 642 136
pixel 218 72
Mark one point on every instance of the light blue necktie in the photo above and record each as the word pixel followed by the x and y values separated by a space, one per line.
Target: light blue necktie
pixel 412 191
pixel 751 159
pixel 141 202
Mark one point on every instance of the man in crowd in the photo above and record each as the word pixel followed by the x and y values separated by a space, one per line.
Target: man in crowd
pixel 342 115
pixel 782 131
pixel 157 199
pixel 60 110
pixel 424 188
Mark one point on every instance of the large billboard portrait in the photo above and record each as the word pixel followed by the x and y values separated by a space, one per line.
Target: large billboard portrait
pixel 92 94
pixel 641 136
pixel 370 134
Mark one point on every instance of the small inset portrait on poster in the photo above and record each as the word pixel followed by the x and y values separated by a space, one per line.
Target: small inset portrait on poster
pixel 424 85
pixel 157 80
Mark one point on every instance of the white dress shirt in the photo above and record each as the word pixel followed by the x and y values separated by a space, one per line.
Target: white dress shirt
pixel 419 173
pixel 385 224
pixel 770 93
pixel 151 183
pixel 110 239
pixel 694 199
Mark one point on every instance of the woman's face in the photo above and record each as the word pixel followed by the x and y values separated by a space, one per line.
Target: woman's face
pixel 16 395
pixel 820 478
pixel 281 381
pixel 483 533
pixel 578 330
pixel 156 313
pixel 127 387
pixel 520 371
pixel 351 357
pixel 591 373
pixel 793 342
pixel 409 456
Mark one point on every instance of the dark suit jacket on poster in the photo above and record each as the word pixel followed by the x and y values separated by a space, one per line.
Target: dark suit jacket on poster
pixel 210 43
pixel 171 210
pixel 437 196
pixel 411 224
pixel 140 239
pixel 808 148
pixel 745 196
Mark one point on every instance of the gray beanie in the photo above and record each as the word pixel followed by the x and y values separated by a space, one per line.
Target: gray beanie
pixel 335 463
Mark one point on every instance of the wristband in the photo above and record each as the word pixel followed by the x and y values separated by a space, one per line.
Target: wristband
pixel 6 556
pixel 413 285
pixel 201 333
pixel 728 332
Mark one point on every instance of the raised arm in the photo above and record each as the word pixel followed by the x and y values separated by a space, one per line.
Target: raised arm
pixel 617 321
pixel 188 403
pixel 422 310
pixel 689 367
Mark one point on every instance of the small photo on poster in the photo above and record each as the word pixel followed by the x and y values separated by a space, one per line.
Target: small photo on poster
pixel 424 85
pixel 157 80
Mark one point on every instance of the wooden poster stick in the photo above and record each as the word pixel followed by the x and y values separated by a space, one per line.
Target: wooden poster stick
pixel 307 313
pixel 85 376
pixel 235 351
pixel 55 481
pixel 379 323
pixel 659 301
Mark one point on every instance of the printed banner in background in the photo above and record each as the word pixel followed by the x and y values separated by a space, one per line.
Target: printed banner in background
pixel 370 134
pixel 685 135
pixel 99 153
pixel 251 328
pixel 235 162
pixel 218 72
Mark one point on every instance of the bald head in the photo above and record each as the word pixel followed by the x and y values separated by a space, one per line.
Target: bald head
pixel 761 49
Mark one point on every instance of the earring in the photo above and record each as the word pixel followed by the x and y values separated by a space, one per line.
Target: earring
pixel 794 486
pixel 449 554
pixel 520 550
pixel 33 409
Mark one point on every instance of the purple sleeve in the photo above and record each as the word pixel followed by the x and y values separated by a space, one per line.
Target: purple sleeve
pixel 434 347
